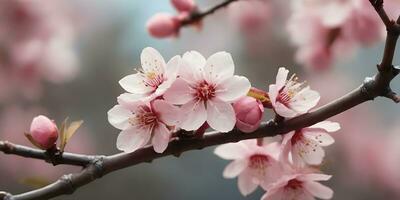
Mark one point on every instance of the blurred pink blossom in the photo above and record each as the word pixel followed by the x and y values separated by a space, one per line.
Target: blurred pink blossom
pixel 36 43
pixel 184 5
pixel 163 25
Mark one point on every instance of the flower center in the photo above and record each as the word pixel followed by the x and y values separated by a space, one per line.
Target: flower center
pixel 297 136
pixel 259 164
pixel 291 88
pixel 294 184
pixel 205 91
pixel 152 79
pixel 143 117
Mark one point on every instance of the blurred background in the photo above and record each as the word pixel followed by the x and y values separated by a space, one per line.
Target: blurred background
pixel 64 58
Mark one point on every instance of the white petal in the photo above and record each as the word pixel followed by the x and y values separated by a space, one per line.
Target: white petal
pixel 118 116
pixel 311 154
pixel 284 111
pixel 318 190
pixel 173 67
pixel 327 125
pixel 179 93
pixel 273 93
pixel 315 177
pixel 192 66
pixel 233 88
pixel 194 115
pixel 152 61
pixel 281 77
pixel 319 136
pixel 231 151
pixel 220 115
pixel 161 137
pixel 167 113
pixel 132 139
pixel 131 101
pixel 245 184
pixel 303 101
pixel 219 67
pixel 234 168
pixel 134 84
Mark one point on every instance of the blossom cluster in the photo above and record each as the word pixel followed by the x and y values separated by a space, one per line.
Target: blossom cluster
pixel 183 93
pixel 288 168
pixel 190 92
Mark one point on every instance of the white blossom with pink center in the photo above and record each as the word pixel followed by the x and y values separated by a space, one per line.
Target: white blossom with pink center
pixel 155 78
pixel 141 122
pixel 290 98
pixel 206 89
pixel 305 145
pixel 253 164
pixel 299 187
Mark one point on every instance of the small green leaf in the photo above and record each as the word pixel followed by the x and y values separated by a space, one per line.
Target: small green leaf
pixel 67 131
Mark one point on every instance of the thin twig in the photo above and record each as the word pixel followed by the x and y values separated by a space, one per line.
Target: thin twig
pixel 198 15
pixel 55 159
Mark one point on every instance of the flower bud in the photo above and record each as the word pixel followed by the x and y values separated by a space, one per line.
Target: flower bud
pixel 163 25
pixel 44 132
pixel 249 113
pixel 184 5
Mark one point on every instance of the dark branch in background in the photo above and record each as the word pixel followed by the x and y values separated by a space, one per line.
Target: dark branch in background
pixel 379 85
pixel 199 15
pixel 50 157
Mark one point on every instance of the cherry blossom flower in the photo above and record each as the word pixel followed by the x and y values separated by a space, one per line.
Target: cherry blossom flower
pixel 304 145
pixel 299 187
pixel 253 164
pixel 251 15
pixel 206 89
pixel 155 78
pixel 141 122
pixel 290 98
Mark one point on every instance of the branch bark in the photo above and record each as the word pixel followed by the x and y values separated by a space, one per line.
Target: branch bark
pixel 378 85
pixel 197 16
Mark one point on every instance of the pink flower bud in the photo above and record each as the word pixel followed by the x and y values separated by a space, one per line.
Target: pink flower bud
pixel 44 132
pixel 184 5
pixel 249 113
pixel 163 25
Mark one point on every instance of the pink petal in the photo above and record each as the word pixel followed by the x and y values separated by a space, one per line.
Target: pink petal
pixel 220 115
pixel 161 138
pixel 134 84
pixel 179 93
pixel 191 68
pixel 131 101
pixel 219 67
pixel 315 177
pixel 274 195
pixel 195 115
pixel 284 111
pixel 118 117
pixel 167 113
pixel 245 184
pixel 234 168
pixel 152 61
pixel 318 190
pixel 132 139
pixel 327 125
pixel 281 77
pixel 273 93
pixel 233 88
pixel 231 151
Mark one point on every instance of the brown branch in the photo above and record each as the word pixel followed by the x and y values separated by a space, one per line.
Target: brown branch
pixel 53 158
pixel 379 85
pixel 197 16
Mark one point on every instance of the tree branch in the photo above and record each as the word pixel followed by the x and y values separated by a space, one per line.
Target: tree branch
pixel 378 85
pixel 53 158
pixel 198 16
